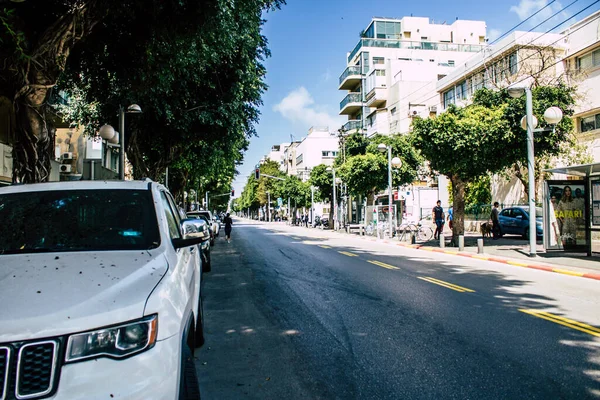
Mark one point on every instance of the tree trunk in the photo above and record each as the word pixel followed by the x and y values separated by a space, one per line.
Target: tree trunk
pixel 34 136
pixel 458 213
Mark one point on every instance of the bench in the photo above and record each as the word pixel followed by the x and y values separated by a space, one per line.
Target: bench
pixel 352 228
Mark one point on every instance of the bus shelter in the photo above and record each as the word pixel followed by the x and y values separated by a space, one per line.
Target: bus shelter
pixel 572 210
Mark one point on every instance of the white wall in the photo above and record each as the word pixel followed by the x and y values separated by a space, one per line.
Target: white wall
pixel 311 148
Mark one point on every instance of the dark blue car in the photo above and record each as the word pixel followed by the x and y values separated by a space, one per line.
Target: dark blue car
pixel 515 221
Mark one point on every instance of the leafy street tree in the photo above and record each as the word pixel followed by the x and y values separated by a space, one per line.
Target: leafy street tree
pixel 548 145
pixel 463 144
pixel 322 179
pixel 365 172
pixel 194 67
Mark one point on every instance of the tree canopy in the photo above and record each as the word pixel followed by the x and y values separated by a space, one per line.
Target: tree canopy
pixel 194 67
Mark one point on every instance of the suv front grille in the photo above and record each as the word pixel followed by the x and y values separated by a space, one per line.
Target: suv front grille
pixel 28 369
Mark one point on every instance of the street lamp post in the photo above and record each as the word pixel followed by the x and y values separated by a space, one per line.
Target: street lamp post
pixel 132 109
pixel 553 115
pixel 312 204
pixel 397 163
pixel 268 206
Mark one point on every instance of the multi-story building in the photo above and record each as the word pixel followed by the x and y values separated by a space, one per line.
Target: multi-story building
pixel 582 63
pixel 395 62
pixel 319 147
pixel 277 154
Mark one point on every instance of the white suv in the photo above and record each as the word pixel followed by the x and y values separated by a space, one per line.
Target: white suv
pixel 100 292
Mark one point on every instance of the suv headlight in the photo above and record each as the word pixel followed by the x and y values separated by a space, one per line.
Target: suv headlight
pixel 115 341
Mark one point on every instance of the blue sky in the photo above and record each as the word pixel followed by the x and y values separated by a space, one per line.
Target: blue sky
pixel 309 40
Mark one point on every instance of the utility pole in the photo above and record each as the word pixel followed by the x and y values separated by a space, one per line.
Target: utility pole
pixel 269 206
pixel 312 204
pixel 207 192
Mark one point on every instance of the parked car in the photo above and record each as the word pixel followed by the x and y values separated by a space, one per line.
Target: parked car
pixel 203 226
pixel 209 216
pixel 211 225
pixel 515 221
pixel 100 295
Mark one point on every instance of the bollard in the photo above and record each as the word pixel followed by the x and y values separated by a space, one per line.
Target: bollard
pixel 479 246
pixel 413 238
pixel 442 241
pixel 461 242
pixel 362 230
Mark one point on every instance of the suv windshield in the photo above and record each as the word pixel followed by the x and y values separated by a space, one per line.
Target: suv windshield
pixel 77 220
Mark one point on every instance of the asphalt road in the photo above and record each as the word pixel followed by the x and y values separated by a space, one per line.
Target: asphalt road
pixel 306 314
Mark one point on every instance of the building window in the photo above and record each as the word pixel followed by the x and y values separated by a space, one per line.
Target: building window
pixel 590 123
pixel 512 63
pixel 451 63
pixel 365 62
pixel 393 111
pixel 448 98
pixel 378 60
pixel 380 72
pixel 591 59
pixel 461 90
pixel 387 30
pixel 299 160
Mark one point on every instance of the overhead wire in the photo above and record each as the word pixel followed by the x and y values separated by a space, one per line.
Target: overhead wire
pixel 488 80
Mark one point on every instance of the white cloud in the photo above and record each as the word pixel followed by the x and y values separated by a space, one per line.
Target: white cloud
pixel 493 34
pixel 526 8
pixel 299 107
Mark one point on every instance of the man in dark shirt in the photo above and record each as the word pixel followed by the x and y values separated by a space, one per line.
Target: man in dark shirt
pixel 438 217
pixel 228 222
pixel 495 221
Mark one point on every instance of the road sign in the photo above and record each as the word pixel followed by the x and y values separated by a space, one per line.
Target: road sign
pixel 279 201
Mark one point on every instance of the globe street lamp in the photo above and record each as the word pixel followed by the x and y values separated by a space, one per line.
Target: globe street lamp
pixel 396 162
pixel 552 115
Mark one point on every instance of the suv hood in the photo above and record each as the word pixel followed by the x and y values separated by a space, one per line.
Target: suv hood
pixel 51 294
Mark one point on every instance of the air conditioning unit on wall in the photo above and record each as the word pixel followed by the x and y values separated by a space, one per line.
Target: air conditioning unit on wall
pixel 67 156
pixel 432 108
pixel 65 168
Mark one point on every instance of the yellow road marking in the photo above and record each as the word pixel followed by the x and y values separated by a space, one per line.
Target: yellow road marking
pixel 347 253
pixel 580 326
pixel 567 272
pixel 446 284
pixel 518 264
pixel 480 257
pixel 324 246
pixel 381 264
pixel 296 238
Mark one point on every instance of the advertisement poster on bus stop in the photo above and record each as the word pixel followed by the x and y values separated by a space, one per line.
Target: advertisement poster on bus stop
pixel 567 213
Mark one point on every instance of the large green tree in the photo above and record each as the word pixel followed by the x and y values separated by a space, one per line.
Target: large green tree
pixel 194 67
pixel 463 144
pixel 553 142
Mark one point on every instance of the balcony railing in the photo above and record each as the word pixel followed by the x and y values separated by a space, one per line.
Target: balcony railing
pixel 353 70
pixel 351 98
pixel 408 44
pixel 353 124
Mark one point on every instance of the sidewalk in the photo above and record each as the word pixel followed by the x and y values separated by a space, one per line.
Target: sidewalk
pixel 511 250
pixel 514 251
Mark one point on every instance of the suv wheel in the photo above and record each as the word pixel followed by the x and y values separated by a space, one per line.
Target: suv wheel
pixel 189 387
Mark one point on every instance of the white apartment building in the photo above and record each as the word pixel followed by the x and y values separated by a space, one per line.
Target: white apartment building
pixel 395 63
pixel 582 63
pixel 319 147
pixel 515 58
pixel 277 154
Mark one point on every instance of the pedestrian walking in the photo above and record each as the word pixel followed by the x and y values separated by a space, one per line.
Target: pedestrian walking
pixel 495 221
pixel 306 220
pixel 228 222
pixel 438 217
pixel 450 217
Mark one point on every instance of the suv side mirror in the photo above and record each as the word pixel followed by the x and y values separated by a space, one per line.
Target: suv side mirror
pixel 190 234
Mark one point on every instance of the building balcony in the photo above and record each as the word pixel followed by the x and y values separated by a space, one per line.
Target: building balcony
pixel 415 45
pixel 353 125
pixel 350 78
pixel 351 104
pixel 377 97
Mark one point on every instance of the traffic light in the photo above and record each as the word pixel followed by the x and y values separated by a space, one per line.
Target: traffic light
pixel 232 192
pixel 257 173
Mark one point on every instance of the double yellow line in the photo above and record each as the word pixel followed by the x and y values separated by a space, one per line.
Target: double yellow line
pixel 382 264
pixel 446 284
pixel 580 326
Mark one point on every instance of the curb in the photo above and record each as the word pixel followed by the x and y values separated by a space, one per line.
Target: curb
pixel 515 263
